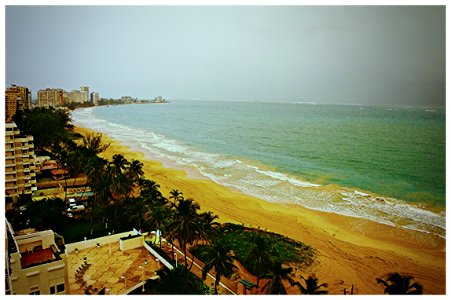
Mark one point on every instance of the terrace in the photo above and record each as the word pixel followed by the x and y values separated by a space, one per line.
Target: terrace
pixel 116 272
pixel 37 257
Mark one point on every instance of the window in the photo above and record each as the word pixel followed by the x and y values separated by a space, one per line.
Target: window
pixel 59 288
pixel 37 292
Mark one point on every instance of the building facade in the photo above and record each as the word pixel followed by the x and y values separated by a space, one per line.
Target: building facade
pixel 20 176
pixel 95 98
pixel 84 90
pixel 16 98
pixel 51 98
pixel 35 264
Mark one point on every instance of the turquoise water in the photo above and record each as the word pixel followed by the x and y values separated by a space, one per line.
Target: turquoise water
pixel 356 160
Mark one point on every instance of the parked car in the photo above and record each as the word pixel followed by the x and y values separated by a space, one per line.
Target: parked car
pixel 72 202
pixel 76 208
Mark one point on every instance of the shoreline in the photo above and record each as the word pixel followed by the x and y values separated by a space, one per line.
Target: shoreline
pixel 349 250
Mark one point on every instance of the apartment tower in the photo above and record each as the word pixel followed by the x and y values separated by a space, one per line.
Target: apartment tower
pixel 20 176
pixel 51 98
pixel 16 98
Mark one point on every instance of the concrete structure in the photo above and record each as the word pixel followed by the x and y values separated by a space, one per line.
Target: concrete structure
pixel 51 98
pixel 20 176
pixel 84 90
pixel 72 97
pixel 95 98
pixel 16 98
pixel 34 263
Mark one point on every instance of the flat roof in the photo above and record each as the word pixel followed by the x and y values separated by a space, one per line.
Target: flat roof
pixel 107 269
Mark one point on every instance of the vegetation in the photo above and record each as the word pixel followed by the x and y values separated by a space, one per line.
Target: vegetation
pixel 179 281
pixel 311 286
pixel 276 275
pixel 220 259
pixel 397 284
pixel 242 241
pixel 48 126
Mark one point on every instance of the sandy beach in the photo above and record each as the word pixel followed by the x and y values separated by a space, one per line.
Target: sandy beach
pixel 350 251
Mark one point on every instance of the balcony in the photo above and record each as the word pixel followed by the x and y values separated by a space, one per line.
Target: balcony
pixel 10 172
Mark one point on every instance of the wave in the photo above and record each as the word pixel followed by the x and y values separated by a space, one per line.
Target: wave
pixel 270 185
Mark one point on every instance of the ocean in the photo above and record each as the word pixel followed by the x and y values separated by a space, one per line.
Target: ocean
pixel 385 164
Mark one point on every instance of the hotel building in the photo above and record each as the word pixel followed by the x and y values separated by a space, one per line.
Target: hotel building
pixel 16 98
pixel 20 176
pixel 51 98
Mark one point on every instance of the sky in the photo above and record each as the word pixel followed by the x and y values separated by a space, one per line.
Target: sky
pixel 387 55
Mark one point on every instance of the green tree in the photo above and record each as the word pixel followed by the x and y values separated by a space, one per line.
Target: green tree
pixel 150 191
pixel 48 126
pixel 184 226
pixel 93 144
pixel 178 281
pixel 277 274
pixel 121 185
pixel 208 226
pixel 258 257
pixel 45 213
pixel 220 259
pixel 311 286
pixel 397 284
pixel 175 195
pixel 157 217
pixel 135 170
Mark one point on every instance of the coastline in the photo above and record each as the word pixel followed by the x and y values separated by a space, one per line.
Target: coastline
pixel 349 250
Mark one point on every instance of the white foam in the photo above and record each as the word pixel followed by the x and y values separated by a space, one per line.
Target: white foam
pixel 269 185
pixel 284 177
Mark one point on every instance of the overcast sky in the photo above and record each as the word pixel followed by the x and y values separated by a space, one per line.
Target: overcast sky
pixel 369 54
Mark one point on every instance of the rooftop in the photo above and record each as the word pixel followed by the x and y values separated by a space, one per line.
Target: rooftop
pixel 118 271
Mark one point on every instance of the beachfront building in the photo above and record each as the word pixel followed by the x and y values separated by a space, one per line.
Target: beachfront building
pixel 84 90
pixel 50 98
pixel 77 96
pixel 16 98
pixel 35 265
pixel 73 96
pixel 20 176
pixel 95 98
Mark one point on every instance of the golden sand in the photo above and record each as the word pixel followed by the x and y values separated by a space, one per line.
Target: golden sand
pixel 349 250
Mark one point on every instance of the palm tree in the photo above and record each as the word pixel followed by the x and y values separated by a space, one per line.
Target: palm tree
pixel 311 286
pixel 176 195
pixel 184 226
pixel 397 284
pixel 98 181
pixel 62 159
pixel 208 226
pixel 135 170
pixel 93 144
pixel 121 184
pixel 176 282
pixel 219 258
pixel 276 275
pixel 157 217
pixel 150 191
pixel 258 257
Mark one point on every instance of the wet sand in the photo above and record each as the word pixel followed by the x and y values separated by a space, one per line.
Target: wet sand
pixel 349 250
